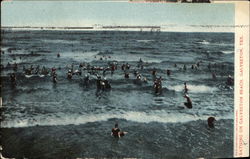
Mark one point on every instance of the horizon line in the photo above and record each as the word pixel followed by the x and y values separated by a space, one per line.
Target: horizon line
pixel 152 28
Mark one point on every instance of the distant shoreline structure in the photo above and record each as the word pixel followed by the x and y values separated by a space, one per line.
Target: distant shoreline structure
pixel 164 28
pixel 95 27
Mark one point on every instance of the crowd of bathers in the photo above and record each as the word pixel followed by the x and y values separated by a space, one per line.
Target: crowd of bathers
pixel 102 84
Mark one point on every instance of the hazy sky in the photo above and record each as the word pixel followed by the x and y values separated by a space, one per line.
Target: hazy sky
pixel 79 13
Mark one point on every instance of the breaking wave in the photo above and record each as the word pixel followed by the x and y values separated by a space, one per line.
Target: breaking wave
pixel 140 117
pixel 227 52
pixel 194 88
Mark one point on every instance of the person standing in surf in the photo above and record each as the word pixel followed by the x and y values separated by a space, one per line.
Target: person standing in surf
pixel 185 88
pixel 116 132
pixel 188 104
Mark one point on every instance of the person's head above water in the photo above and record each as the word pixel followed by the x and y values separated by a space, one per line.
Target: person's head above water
pixel 210 122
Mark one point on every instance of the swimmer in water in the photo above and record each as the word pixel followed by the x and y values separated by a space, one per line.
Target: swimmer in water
pixel 69 74
pixel 210 122
pixel 184 68
pixel 116 132
pixel 126 75
pixel 154 72
pixel 106 83
pixel 188 104
pixel 192 67
pixel 140 60
pixel 54 78
pixel 213 76
pixel 230 80
pixel 168 72
pixel 185 87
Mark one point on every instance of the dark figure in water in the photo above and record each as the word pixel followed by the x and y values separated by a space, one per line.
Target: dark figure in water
pixel 230 80
pixel 184 68
pixel 77 72
pixel 116 132
pixel 44 71
pixel 126 75
pixel 210 122
pixel 107 85
pixel 157 85
pixel 37 69
pixel 54 78
pixel 214 76
pixel 154 72
pixel 138 77
pixel 168 72
pixel 58 55
pixel 98 83
pixel 140 60
pixel 27 71
pixel 123 67
pixel 198 64
pixel 192 67
pixel 86 80
pixel 142 67
pixel 104 72
pixel 112 69
pixel 70 74
pixel 103 85
pixel 127 66
pixel 185 87
pixel 188 104
pixel 13 79
pixel 53 70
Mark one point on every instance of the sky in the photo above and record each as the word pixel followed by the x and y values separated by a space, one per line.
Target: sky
pixel 82 13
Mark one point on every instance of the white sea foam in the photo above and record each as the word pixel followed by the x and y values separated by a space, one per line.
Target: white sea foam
pixel 160 116
pixel 61 41
pixel 204 42
pixel 227 52
pixel 63 119
pixel 193 88
pixel 144 41
pixel 17 60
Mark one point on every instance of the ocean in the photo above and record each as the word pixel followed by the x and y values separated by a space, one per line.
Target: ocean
pixel 42 119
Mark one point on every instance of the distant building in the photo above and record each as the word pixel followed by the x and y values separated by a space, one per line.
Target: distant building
pixel 195 1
